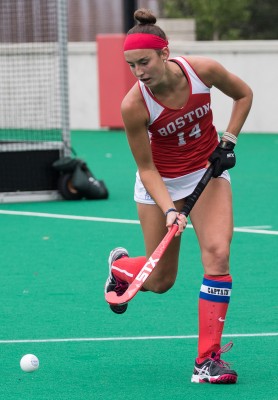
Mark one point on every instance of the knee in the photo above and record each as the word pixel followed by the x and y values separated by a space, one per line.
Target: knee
pixel 216 259
pixel 161 285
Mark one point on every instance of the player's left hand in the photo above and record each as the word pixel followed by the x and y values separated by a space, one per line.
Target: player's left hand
pixel 223 157
pixel 176 217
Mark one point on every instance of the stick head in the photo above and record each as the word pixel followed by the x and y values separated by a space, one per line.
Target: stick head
pixel 112 298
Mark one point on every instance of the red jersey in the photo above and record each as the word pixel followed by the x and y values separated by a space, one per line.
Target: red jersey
pixel 181 140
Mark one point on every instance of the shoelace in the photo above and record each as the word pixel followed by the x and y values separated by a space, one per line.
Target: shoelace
pixel 120 287
pixel 224 349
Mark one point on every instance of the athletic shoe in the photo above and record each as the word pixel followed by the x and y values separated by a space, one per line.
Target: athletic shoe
pixel 214 370
pixel 115 284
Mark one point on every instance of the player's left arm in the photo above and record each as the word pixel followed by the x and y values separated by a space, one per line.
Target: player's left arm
pixel 214 74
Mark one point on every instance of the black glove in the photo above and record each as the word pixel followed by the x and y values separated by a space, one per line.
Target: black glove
pixel 223 157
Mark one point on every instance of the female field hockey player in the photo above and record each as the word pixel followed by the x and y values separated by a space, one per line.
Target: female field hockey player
pixel 169 126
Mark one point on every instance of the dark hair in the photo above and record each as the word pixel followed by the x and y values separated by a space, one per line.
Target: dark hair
pixel 146 23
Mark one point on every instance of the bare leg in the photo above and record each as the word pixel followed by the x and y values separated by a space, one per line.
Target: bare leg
pixel 213 223
pixel 153 225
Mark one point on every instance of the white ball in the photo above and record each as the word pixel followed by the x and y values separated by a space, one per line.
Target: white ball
pixel 29 363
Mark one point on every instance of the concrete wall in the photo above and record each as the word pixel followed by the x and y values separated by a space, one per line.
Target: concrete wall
pixel 256 62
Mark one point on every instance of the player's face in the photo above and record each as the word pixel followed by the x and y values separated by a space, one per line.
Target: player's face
pixel 146 65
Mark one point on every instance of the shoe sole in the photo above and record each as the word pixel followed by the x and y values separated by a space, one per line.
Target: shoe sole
pixel 120 251
pixel 121 308
pixel 222 379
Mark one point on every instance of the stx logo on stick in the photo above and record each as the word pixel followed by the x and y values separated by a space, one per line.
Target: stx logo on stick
pixel 112 297
pixel 147 269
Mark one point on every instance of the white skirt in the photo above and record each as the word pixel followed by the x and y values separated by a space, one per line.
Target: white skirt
pixel 178 188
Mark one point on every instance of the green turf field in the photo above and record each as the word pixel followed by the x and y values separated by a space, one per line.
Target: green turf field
pixel 53 269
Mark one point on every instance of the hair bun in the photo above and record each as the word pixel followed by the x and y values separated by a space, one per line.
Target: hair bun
pixel 144 16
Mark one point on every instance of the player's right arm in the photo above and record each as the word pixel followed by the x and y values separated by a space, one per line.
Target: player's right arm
pixel 136 118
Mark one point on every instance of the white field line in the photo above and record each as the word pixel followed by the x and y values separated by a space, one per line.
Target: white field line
pixel 120 221
pixel 72 217
pixel 133 338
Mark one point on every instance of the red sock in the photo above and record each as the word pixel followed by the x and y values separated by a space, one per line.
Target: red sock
pixel 213 305
pixel 126 268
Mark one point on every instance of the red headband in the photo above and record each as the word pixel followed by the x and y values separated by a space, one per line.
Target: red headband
pixel 136 41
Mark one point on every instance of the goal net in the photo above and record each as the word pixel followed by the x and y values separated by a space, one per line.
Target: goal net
pixel 34 111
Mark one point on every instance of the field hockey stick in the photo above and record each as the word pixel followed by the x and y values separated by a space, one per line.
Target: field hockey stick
pixel 112 297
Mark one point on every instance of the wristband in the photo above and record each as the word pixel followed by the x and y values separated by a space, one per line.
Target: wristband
pixel 229 136
pixel 170 210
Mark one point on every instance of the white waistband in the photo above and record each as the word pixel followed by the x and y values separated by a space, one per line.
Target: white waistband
pixel 178 188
